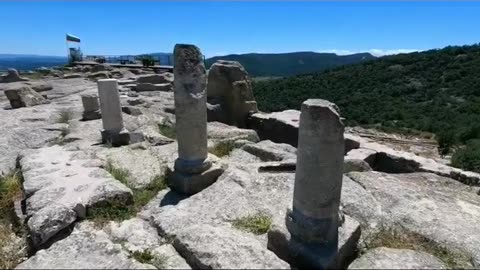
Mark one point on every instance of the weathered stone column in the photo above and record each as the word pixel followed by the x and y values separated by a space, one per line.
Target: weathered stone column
pixel 193 169
pixel 113 129
pixel 91 108
pixel 313 220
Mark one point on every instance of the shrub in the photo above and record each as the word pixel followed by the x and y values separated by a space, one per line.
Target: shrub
pixel 468 157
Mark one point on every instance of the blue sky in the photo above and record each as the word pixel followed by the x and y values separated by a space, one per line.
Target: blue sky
pixel 236 27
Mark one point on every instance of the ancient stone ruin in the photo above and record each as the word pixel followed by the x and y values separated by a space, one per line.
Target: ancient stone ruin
pixel 12 76
pixel 186 173
pixel 193 170
pixel 313 220
pixel 113 130
pixel 230 95
pixel 91 107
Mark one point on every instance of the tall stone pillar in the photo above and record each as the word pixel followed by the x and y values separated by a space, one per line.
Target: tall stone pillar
pixel 313 220
pixel 113 130
pixel 193 170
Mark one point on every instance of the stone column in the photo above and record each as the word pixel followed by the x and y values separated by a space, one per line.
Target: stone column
pixel 113 129
pixel 91 108
pixel 193 169
pixel 313 220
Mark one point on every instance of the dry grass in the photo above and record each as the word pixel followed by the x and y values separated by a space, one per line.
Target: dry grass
pixel 120 210
pixel 64 116
pixel 256 224
pixel 10 191
pixel 223 148
pixel 10 256
pixel 392 238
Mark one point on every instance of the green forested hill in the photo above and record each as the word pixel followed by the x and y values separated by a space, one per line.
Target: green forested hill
pixel 287 64
pixel 436 91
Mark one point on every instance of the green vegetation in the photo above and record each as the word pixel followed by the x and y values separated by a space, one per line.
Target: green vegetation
pixel 391 238
pixel 256 224
pixel 147 60
pixel 119 210
pixel 64 116
pixel 167 130
pixel 143 256
pixel 33 76
pixel 287 64
pixel 436 91
pixel 120 174
pixel 10 191
pixel 222 148
pixel 468 157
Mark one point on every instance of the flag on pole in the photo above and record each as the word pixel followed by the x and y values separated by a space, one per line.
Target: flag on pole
pixel 72 38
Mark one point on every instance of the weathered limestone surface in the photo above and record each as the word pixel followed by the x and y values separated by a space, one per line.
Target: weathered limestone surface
pixel 389 258
pixel 386 159
pixel 440 209
pixel 220 131
pixel 230 87
pixel 166 87
pixel 155 78
pixel 202 223
pixel 60 185
pixel 279 127
pixel 24 97
pixel 138 235
pixel 12 76
pixel 85 248
pixel 37 86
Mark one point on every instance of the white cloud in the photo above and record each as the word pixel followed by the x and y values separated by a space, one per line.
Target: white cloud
pixel 375 52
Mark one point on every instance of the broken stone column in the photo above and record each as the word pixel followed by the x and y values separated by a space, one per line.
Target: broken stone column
pixel 230 94
pixel 193 170
pixel 313 221
pixel 91 108
pixel 113 130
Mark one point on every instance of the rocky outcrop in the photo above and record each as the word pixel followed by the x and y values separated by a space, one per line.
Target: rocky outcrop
pixel 166 87
pixel 24 96
pixel 12 76
pixel 85 248
pixel 389 258
pixel 165 77
pixel 99 67
pixel 385 159
pixel 279 127
pixel 230 87
pixel 442 210
pixel 60 185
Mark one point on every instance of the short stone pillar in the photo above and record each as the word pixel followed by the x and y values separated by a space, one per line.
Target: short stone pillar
pixel 113 130
pixel 193 170
pixel 91 108
pixel 313 220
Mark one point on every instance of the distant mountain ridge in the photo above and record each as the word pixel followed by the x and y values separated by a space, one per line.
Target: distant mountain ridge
pixel 30 61
pixel 288 64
